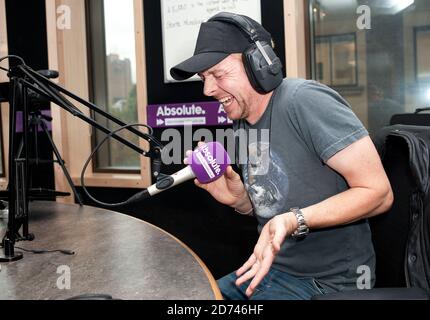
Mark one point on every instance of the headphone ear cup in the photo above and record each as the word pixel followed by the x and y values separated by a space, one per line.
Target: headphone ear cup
pixel 262 76
pixel 248 62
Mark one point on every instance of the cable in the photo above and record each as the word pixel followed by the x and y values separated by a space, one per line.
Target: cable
pixel 9 57
pixel 40 251
pixel 112 205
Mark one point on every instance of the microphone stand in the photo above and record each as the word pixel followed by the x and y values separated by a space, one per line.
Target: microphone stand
pixel 23 82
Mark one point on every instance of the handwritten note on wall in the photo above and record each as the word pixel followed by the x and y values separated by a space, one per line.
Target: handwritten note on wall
pixel 181 21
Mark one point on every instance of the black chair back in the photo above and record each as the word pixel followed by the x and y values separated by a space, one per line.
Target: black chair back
pixel 401 236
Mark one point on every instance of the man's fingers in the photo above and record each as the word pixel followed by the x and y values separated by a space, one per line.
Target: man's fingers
pixel 260 274
pixel 187 154
pixel 248 275
pixel 198 184
pixel 228 171
pixel 231 174
pixel 248 264
pixel 204 186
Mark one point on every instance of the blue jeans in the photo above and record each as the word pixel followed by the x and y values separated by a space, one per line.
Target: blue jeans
pixel 276 285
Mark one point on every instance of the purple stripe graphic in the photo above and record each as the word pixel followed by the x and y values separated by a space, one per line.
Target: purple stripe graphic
pixel 180 114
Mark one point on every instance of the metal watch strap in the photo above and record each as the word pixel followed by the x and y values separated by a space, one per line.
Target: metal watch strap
pixel 302 228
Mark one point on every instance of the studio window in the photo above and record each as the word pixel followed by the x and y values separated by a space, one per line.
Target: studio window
pixel 112 70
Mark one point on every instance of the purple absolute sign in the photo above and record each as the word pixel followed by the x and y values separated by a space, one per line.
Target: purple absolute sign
pixel 190 113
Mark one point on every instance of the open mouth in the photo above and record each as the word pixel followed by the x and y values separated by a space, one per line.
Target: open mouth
pixel 226 101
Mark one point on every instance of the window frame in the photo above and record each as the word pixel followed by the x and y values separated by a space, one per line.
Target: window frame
pixel 332 38
pixel 297 33
pixel 95 22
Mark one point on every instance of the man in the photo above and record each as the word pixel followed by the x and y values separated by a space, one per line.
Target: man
pixel 321 162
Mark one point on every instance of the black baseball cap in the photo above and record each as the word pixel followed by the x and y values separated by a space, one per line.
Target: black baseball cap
pixel 216 41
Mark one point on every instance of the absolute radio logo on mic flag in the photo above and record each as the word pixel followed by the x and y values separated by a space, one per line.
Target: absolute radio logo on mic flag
pixel 209 161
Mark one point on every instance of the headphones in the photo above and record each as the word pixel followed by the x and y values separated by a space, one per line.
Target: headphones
pixel 263 67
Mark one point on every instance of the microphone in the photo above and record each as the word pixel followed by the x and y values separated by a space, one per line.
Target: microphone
pixel 207 163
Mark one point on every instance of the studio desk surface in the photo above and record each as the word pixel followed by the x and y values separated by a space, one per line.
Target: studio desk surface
pixel 115 254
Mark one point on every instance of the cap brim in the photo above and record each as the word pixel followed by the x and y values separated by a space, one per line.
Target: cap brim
pixel 196 63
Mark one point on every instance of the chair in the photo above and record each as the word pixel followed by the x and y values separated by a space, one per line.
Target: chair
pixel 401 236
pixel 418 118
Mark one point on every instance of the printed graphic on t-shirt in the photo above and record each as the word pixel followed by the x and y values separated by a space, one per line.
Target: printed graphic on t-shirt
pixel 265 180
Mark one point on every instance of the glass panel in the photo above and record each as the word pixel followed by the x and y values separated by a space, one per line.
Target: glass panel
pixel 113 69
pixel 376 54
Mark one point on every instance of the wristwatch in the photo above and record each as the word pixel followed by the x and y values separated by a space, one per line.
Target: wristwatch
pixel 302 228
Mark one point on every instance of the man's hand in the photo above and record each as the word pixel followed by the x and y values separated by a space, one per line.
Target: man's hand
pixel 228 189
pixel 268 245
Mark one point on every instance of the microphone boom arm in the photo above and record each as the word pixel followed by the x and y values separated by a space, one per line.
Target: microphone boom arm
pixel 55 93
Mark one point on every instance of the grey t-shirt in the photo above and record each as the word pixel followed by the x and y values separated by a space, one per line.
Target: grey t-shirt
pixel 307 124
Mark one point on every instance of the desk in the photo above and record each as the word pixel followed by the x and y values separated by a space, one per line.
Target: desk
pixel 115 254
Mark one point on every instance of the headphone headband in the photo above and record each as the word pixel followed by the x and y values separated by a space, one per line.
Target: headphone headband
pixel 239 21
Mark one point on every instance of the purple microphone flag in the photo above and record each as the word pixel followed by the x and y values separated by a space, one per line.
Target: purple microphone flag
pixel 192 113
pixel 209 161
